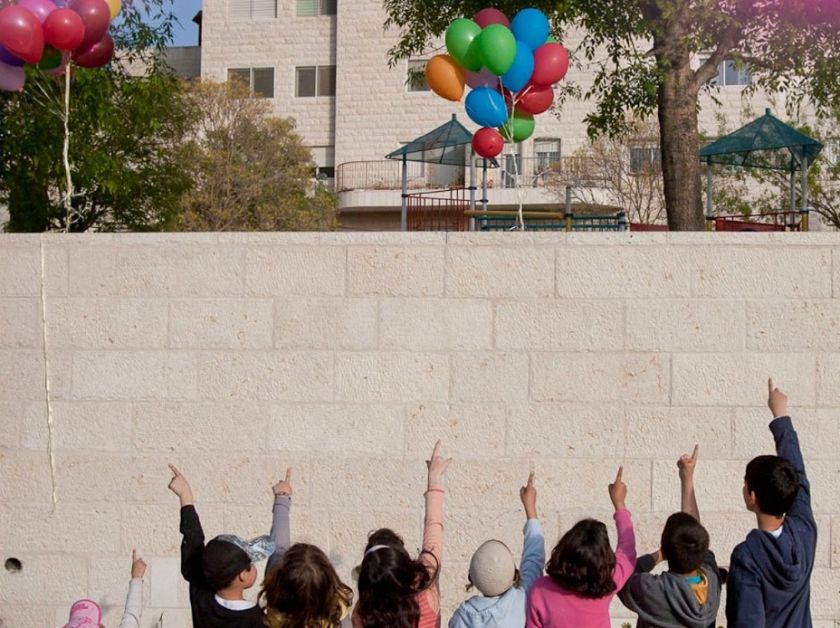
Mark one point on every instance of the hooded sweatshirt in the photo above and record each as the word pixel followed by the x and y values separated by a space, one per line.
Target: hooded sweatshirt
pixel 668 600
pixel 508 609
pixel 769 583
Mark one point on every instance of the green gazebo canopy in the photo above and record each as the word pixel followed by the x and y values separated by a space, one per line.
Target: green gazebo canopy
pixel 763 143
pixel 446 145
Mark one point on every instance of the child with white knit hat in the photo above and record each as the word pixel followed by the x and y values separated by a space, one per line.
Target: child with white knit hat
pixel 493 572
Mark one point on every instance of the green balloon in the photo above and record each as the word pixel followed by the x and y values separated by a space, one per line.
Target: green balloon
pixel 51 59
pixel 551 40
pixel 518 128
pixel 459 39
pixel 498 48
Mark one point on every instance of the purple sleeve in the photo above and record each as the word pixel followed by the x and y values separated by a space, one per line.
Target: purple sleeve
pixel 625 551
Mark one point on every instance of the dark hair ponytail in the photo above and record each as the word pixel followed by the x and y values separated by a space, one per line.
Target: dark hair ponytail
pixel 389 582
pixel 583 561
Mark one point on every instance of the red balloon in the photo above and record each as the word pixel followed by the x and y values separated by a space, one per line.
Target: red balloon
pixel 22 34
pixel 535 100
pixel 486 17
pixel 96 16
pixel 64 29
pixel 97 55
pixel 551 62
pixel 488 143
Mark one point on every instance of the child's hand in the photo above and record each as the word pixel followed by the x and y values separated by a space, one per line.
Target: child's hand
pixel 437 467
pixel 777 400
pixel 618 490
pixel 687 463
pixel 284 487
pixel 528 495
pixel 138 566
pixel 179 485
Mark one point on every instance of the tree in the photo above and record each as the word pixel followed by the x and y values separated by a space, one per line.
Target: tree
pixel 252 171
pixel 127 133
pixel 642 52
pixel 624 172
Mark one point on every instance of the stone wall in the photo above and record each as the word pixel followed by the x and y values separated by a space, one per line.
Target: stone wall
pixel 347 355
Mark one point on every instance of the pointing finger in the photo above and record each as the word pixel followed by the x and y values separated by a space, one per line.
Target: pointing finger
pixel 435 450
pixel 695 452
pixel 619 474
pixel 531 479
pixel 770 385
pixel 174 469
pixel 288 475
pixel 134 555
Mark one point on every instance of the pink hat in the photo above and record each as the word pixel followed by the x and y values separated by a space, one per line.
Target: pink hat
pixel 84 614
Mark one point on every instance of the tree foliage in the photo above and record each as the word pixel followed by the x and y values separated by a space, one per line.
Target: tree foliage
pixel 127 122
pixel 251 170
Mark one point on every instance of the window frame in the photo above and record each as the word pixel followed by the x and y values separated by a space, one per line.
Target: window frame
pixel 250 16
pixel 419 72
pixel 250 70
pixel 321 10
pixel 317 83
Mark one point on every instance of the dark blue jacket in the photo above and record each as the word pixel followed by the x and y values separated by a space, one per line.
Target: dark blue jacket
pixel 769 582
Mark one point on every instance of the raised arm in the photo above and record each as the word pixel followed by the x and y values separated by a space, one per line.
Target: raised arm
pixel 688 500
pixel 787 446
pixel 134 600
pixel 433 524
pixel 280 526
pixel 192 543
pixel 625 551
pixel 533 551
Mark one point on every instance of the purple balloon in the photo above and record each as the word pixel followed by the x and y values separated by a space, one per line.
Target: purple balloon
pixel 9 59
pixel 485 78
pixel 41 8
pixel 12 78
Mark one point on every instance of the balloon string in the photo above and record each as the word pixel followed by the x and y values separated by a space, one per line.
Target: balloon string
pixel 68 197
pixel 520 218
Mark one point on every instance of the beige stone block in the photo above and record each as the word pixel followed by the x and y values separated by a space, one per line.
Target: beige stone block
pixel 27 615
pixel 500 272
pixel 825 601
pixel 637 377
pixel 91 527
pixel 392 376
pixel 760 272
pixel 56 271
pixel 818 431
pixel 718 484
pixel 383 238
pixel 467 530
pixel 152 529
pixel 560 325
pixel 637 272
pixel 395 483
pixel 668 432
pixel 13 416
pixel 92 425
pixel 580 485
pixel 799 326
pixel 395 271
pixel 617 238
pixel 20 323
pixel 108 584
pixel 221 323
pixel 180 270
pixel 824 476
pixel 465 430
pixel 503 238
pixel 295 271
pixel 569 430
pixel 60 370
pixel 133 375
pixel 46 579
pixel 835 542
pixel 92 271
pixel 828 377
pixel 85 323
pixel 31 418
pixel 20 271
pixel 25 476
pixel 290 376
pixel 740 379
pixel 490 376
pixel 685 325
pixel 166 583
pixel 435 324
pixel 325 323
pixel 21 375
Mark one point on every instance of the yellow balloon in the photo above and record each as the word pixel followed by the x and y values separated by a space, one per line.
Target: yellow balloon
pixel 445 77
pixel 115 6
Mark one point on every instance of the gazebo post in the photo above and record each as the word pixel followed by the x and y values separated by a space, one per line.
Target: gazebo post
pixel 484 185
pixel 710 185
pixel 472 189
pixel 404 207
pixel 804 210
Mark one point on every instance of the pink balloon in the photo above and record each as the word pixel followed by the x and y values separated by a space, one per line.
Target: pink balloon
pixel 485 78
pixel 551 62
pixel 12 77
pixel 21 34
pixel 40 8
pixel 96 15
pixel 488 16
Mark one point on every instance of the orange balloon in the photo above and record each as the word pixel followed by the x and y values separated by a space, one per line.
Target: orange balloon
pixel 115 6
pixel 445 77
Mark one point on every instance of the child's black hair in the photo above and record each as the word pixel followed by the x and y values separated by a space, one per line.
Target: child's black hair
pixel 583 560
pixel 685 543
pixel 775 482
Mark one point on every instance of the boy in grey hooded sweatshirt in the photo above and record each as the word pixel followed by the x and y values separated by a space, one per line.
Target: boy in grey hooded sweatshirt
pixel 688 594
pixel 493 572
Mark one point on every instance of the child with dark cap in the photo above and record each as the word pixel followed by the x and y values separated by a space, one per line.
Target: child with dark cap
pixel 220 572
pixel 688 594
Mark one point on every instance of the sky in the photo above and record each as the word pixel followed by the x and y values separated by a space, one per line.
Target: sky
pixel 187 33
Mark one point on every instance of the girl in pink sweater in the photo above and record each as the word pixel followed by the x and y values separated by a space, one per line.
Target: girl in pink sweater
pixel 395 590
pixel 584 573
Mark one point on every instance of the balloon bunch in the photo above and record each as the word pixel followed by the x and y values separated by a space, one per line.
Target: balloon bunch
pixel 49 34
pixel 511 68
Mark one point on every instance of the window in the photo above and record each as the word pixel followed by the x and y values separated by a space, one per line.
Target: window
pixel 512 165
pixel 831 152
pixel 253 9
pixel 645 159
pixel 324 158
pixel 731 73
pixel 310 8
pixel 547 151
pixel 417 76
pixel 313 81
pixel 259 80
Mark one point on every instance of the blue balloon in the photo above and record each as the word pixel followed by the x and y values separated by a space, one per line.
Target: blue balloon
pixel 486 107
pixel 520 72
pixel 531 27
pixel 9 59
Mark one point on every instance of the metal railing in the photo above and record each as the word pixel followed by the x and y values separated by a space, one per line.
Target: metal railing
pixel 772 221
pixel 438 210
